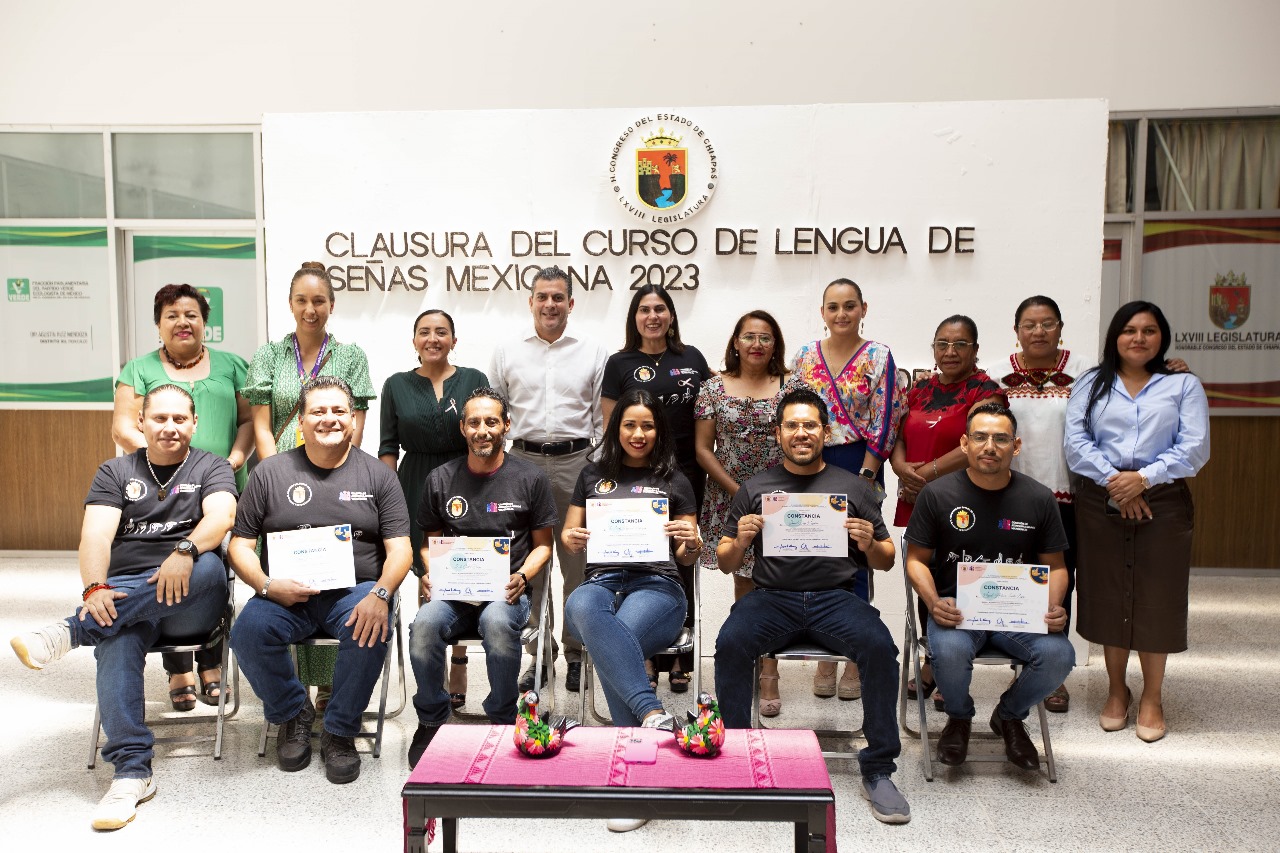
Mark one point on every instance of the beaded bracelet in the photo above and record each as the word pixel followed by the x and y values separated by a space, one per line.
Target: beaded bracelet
pixel 92 588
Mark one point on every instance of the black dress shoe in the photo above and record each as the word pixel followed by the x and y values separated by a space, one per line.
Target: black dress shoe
pixel 1018 747
pixel 573 679
pixel 953 746
pixel 421 740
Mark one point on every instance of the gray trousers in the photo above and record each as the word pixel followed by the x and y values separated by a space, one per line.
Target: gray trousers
pixel 563 472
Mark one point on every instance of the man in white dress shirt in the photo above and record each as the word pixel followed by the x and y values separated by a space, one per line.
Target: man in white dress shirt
pixel 552 380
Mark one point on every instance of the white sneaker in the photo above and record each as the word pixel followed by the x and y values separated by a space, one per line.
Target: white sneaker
pixel 119 806
pixel 38 649
pixel 625 824
pixel 658 721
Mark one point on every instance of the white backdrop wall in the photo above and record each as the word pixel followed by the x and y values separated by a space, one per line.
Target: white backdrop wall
pixel 156 62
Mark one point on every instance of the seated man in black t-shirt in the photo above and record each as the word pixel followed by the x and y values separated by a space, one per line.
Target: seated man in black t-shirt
pixel 167 506
pixel 988 513
pixel 487 493
pixel 799 596
pixel 327 482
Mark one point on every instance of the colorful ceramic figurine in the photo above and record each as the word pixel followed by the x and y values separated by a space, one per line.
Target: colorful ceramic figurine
pixel 704 734
pixel 535 737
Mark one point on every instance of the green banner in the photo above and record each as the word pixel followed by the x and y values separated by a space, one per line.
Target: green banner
pixel 147 248
pixel 87 391
pixel 53 237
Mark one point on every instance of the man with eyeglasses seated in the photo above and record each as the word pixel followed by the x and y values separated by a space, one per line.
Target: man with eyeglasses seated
pixel 988 513
pixel 803 595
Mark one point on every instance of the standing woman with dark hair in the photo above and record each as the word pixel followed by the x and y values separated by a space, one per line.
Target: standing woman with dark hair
pixel 1135 432
pixel 274 390
pixel 212 378
pixel 656 360
pixel 422 412
pixel 735 441
pixel 858 381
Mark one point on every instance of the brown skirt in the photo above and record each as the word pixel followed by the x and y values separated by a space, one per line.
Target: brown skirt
pixel 1131 577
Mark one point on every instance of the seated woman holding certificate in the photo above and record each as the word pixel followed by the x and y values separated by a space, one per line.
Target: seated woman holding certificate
pixel 633 513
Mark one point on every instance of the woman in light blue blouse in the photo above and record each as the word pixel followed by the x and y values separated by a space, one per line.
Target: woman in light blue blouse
pixel 1135 431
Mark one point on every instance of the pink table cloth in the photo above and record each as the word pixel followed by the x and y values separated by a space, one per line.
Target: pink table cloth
pixel 593 756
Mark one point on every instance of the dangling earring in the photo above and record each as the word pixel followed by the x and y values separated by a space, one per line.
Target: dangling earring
pixel 671 331
pixel 1017 344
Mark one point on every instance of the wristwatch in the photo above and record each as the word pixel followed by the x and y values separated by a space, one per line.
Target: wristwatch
pixel 266 584
pixel 867 474
pixel 187 547
pixel 381 592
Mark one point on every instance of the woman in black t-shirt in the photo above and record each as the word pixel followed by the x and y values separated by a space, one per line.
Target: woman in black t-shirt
pixel 630 607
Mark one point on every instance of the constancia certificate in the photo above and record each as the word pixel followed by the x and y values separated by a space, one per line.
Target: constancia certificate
pixel 318 557
pixel 804 524
pixel 628 530
pixel 1002 597
pixel 469 568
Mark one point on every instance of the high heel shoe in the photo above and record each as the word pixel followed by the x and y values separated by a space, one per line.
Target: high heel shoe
pixel 770 707
pixel 1150 734
pixel 1115 724
pixel 850 686
pixel 824 684
pixel 458 699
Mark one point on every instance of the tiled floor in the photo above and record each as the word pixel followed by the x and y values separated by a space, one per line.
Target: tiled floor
pixel 1212 784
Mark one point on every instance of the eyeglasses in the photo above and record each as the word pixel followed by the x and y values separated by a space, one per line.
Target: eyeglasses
pixel 751 340
pixel 1002 439
pixel 960 347
pixel 798 426
pixel 1047 325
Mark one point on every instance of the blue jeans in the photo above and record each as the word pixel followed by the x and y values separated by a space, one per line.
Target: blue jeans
pixel 438 624
pixel 121 650
pixel 261 639
pixel 764 620
pixel 623 618
pixel 1048 658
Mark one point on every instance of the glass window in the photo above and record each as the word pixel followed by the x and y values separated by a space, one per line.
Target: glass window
pixel 1213 164
pixel 184 175
pixel 52 175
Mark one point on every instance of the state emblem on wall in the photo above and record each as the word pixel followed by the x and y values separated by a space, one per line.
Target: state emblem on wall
pixel 662 169
pixel 1229 300
pixel 675 166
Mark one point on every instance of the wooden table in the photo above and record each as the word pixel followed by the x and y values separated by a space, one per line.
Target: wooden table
pixel 476 771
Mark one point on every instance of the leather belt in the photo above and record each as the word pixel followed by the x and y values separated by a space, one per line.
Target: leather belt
pixel 552 448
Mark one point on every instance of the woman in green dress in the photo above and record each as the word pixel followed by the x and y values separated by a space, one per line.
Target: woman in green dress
pixel 274 390
pixel 225 428
pixel 421 413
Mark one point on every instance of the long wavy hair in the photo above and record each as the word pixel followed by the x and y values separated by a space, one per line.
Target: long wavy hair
pixel 1104 375
pixel 662 460
pixel 632 341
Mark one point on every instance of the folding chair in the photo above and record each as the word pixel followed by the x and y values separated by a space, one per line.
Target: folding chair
pixel 686 642
pixel 809 650
pixel 380 716
pixel 230 676
pixel 542 662
pixel 916 648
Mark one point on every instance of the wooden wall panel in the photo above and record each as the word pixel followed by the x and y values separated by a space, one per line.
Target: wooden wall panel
pixel 47 461
pixel 1236 503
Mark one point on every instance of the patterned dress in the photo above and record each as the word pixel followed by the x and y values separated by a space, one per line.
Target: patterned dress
pixel 862 396
pixel 745 446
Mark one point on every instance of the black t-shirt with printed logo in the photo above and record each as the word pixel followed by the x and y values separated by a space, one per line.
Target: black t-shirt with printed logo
pixel 807 573
pixel 288 492
pixel 150 528
pixel 965 523
pixel 674 379
pixel 636 483
pixel 514 501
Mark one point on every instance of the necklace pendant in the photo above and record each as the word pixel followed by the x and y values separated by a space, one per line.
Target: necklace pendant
pixel 161 496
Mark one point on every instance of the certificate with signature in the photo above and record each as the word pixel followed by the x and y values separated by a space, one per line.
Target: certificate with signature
pixel 1002 597
pixel 628 530
pixel 318 557
pixel 804 524
pixel 469 568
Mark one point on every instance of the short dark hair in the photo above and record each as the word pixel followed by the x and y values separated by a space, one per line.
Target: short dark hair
pixel 316 269
pixel 992 408
pixel 802 396
pixel 962 320
pixel 554 273
pixel 632 341
pixel 171 293
pixel 320 383
pixel 443 313
pixel 1036 302
pixel 846 282
pixel 487 393
pixel 168 386
pixel 733 362
pixel 662 461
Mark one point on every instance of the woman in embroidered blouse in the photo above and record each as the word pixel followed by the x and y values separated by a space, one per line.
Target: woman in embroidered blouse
pixel 422 412
pixel 857 379
pixel 1135 432
pixel 735 441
